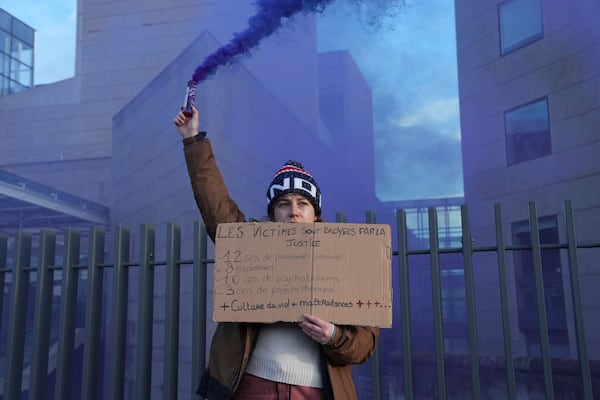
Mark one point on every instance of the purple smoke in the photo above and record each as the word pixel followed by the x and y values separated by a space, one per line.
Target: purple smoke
pixel 261 25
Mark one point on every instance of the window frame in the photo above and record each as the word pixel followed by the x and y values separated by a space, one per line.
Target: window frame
pixel 511 155
pixel 504 50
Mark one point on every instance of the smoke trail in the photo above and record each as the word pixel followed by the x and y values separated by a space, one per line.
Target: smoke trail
pixel 264 23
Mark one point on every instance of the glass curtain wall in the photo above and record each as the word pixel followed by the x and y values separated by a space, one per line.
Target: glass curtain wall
pixel 16 55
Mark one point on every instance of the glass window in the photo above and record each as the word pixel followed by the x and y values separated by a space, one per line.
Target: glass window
pixel 22 31
pixel 520 23
pixel 4 64
pixel 21 73
pixel 22 52
pixel 3 86
pixel 5 20
pixel 15 87
pixel 527 132
pixel 453 294
pixel 4 42
pixel 16 55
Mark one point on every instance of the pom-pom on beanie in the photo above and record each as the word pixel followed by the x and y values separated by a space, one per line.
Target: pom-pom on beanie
pixel 293 178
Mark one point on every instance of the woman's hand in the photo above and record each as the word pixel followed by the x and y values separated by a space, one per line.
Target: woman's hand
pixel 187 126
pixel 317 329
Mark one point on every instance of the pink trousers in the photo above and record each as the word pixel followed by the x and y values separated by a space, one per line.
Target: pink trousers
pixel 254 388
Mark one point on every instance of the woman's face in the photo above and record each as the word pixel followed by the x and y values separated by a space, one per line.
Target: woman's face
pixel 293 208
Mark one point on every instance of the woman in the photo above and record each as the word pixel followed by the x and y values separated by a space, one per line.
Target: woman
pixel 308 360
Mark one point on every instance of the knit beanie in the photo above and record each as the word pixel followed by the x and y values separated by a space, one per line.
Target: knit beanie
pixel 293 178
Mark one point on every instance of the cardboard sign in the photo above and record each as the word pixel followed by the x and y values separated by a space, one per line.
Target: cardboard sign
pixel 269 272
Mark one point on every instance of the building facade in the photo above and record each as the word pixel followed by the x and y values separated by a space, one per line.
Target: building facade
pixel 530 116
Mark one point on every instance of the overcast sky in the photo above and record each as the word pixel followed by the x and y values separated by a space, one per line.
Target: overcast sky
pixel 410 62
pixel 408 58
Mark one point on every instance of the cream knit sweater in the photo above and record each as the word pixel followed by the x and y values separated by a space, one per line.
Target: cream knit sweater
pixel 283 353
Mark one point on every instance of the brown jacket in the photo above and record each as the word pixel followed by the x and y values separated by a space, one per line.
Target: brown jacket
pixel 232 343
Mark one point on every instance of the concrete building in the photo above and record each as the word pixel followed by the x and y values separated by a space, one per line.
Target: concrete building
pixel 121 49
pixel 529 81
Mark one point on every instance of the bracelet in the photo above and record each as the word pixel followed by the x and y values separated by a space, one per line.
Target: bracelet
pixel 330 338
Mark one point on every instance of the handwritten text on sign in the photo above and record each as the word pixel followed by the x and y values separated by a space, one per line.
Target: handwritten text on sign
pixel 267 272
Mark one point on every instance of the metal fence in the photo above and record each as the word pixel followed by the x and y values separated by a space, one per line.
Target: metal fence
pixel 35 381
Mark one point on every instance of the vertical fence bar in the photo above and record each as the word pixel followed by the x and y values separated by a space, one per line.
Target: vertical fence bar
pixel 502 282
pixel 584 366
pixel 3 265
pixel 376 378
pixel 43 312
pixel 436 292
pixel 143 380
pixel 68 308
pixel 467 252
pixel 18 318
pixel 199 276
pixel 119 326
pixel 340 217
pixel 172 311
pixel 93 315
pixel 540 299
pixel 405 304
